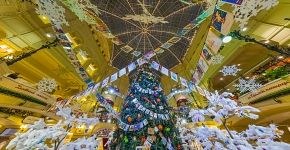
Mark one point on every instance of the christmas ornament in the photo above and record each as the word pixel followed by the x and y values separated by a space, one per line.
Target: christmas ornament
pixel 230 70
pixel 247 85
pixel 46 85
pixel 126 139
pixel 139 116
pixel 158 100
pixel 129 119
pixel 160 127
pixel 167 129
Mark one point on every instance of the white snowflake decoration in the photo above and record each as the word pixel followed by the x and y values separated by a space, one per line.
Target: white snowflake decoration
pixel 81 9
pixel 51 9
pixel 217 59
pixel 250 8
pixel 247 85
pixel 46 85
pixel 230 70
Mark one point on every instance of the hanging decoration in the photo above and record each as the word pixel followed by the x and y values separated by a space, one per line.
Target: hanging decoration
pixel 50 9
pixel 55 12
pixel 277 48
pixel 250 8
pixel 217 59
pixel 247 85
pixel 15 59
pixel 149 112
pixel 68 49
pixel 21 96
pixel 46 85
pixel 146 17
pixel 134 127
pixel 189 85
pixel 146 91
pixel 108 106
pixel 83 9
pixel 230 70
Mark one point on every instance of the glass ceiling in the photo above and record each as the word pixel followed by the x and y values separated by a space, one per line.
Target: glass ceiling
pixel 144 25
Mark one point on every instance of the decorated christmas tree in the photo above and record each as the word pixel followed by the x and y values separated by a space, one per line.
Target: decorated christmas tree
pixel 145 120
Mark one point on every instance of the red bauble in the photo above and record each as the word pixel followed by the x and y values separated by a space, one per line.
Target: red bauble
pixel 158 100
pixel 179 147
pixel 129 119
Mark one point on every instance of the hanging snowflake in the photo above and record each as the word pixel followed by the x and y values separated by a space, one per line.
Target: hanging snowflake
pixel 217 59
pixel 81 8
pixel 230 70
pixel 247 85
pixel 250 8
pixel 46 85
pixel 55 12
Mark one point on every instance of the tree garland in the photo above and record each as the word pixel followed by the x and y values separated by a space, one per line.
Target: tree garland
pixel 277 48
pixel 28 54
pixel 21 96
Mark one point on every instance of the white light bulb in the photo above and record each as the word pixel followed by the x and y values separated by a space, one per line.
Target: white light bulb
pixel 244 29
pixel 227 39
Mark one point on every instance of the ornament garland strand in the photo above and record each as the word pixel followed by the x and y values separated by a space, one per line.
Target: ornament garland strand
pixel 28 54
pixel 277 48
pixel 21 96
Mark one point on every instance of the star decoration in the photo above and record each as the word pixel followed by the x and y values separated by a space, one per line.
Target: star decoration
pixel 230 70
pixel 217 59
pixel 247 85
pixel 46 85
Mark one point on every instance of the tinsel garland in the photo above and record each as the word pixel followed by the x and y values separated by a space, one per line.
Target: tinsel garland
pixel 28 54
pixel 16 112
pixel 277 48
pixel 21 96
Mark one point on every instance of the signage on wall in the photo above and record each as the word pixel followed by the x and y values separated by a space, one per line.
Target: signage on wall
pixel 268 89
pixel 24 89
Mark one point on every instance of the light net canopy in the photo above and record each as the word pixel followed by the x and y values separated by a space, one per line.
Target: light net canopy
pixel 145 25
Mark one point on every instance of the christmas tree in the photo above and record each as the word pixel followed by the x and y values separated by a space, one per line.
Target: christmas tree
pixel 145 120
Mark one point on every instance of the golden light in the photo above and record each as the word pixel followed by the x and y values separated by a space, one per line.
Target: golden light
pixel 44 19
pixel 3 46
pixel 9 50
pixel 91 127
pixel 23 126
